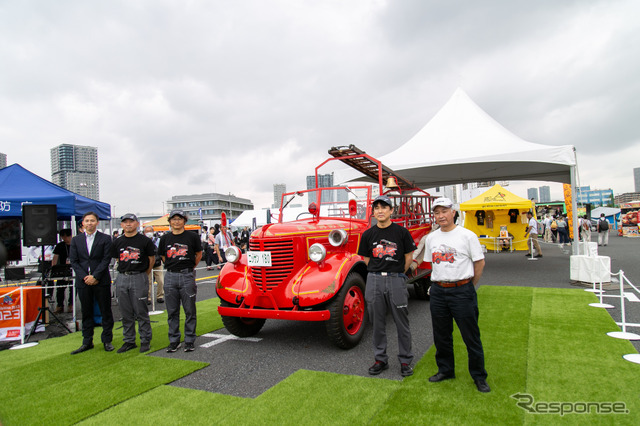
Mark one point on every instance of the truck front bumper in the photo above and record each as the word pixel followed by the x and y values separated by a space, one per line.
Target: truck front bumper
pixel 274 314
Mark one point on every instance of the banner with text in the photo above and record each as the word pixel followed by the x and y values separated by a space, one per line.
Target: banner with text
pixel 10 311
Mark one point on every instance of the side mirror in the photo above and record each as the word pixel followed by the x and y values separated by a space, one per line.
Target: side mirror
pixel 313 209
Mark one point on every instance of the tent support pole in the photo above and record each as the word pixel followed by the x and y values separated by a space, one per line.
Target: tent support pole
pixel 574 208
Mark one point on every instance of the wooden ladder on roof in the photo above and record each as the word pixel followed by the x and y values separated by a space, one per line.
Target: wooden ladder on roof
pixel 355 158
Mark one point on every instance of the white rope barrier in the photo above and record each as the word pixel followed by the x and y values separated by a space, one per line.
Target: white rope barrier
pixel 72 288
pixel 623 323
pixel 623 334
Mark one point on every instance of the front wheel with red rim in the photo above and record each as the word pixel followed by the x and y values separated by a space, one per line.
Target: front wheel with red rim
pixel 348 313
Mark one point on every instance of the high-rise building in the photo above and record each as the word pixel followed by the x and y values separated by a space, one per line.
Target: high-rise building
pixel 75 167
pixel 636 178
pixel 3 160
pixel 532 194
pixel 545 194
pixel 325 181
pixel 278 190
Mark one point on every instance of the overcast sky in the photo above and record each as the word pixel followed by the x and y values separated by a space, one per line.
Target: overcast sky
pixel 186 97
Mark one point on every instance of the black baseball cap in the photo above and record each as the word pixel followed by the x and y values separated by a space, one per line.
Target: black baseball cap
pixel 129 216
pixel 382 199
pixel 178 212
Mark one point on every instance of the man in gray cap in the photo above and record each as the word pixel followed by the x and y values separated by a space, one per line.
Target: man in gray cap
pixel 181 252
pixel 457 261
pixel 387 250
pixel 135 254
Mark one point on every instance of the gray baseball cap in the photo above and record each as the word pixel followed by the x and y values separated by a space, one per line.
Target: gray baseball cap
pixel 179 212
pixel 382 199
pixel 129 216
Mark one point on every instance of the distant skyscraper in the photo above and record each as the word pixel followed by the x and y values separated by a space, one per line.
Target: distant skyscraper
pixel 278 190
pixel 545 194
pixel 636 178
pixel 324 181
pixel 75 168
pixel 532 193
pixel 3 160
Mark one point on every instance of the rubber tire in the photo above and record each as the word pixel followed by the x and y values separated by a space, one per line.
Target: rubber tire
pixel 241 327
pixel 421 287
pixel 336 331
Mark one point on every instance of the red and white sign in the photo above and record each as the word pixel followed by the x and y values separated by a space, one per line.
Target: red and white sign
pixel 10 311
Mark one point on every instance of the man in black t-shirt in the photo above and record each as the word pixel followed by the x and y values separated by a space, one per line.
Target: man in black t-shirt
pixel 135 254
pixel 387 250
pixel 181 252
pixel 61 267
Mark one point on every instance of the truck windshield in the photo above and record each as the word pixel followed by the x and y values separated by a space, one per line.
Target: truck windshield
pixel 333 202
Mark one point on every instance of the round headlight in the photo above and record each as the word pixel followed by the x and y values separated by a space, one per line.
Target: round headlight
pixel 337 237
pixel 317 252
pixel 232 254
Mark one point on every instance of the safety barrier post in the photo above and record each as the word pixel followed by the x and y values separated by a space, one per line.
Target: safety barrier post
pixel 623 334
pixel 531 250
pixel 154 287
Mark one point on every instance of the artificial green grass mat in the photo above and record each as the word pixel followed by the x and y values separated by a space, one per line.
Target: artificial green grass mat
pixel 305 397
pixel 547 343
pixel 45 384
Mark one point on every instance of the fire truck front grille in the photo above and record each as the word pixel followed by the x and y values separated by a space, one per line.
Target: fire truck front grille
pixel 269 277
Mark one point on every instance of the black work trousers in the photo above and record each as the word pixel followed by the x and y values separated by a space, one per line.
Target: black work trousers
pixel 102 294
pixel 210 256
pixel 459 304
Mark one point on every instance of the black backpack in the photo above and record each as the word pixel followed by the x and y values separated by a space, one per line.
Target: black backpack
pixel 603 225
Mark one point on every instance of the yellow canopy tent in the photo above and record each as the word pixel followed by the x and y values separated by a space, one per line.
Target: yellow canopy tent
pixel 162 224
pixel 505 209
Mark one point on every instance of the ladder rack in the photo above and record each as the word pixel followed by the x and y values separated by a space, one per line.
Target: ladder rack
pixel 359 160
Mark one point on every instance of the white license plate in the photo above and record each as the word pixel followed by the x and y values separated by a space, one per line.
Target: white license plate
pixel 259 258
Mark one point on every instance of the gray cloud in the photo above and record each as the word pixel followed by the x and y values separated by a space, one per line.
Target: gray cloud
pixel 191 97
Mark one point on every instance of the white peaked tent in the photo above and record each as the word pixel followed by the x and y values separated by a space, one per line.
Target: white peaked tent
pixel 462 143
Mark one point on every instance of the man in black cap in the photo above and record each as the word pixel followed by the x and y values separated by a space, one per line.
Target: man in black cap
pixel 457 261
pixel 387 250
pixel 135 254
pixel 181 252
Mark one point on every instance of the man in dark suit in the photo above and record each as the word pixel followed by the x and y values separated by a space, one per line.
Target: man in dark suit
pixel 90 254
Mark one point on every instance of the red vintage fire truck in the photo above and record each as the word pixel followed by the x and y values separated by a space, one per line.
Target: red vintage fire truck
pixel 308 269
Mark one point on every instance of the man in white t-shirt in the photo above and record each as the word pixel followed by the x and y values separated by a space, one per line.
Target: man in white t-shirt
pixel 223 240
pixel 532 231
pixel 457 263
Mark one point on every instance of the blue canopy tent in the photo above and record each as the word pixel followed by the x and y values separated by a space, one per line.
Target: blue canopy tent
pixel 18 186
